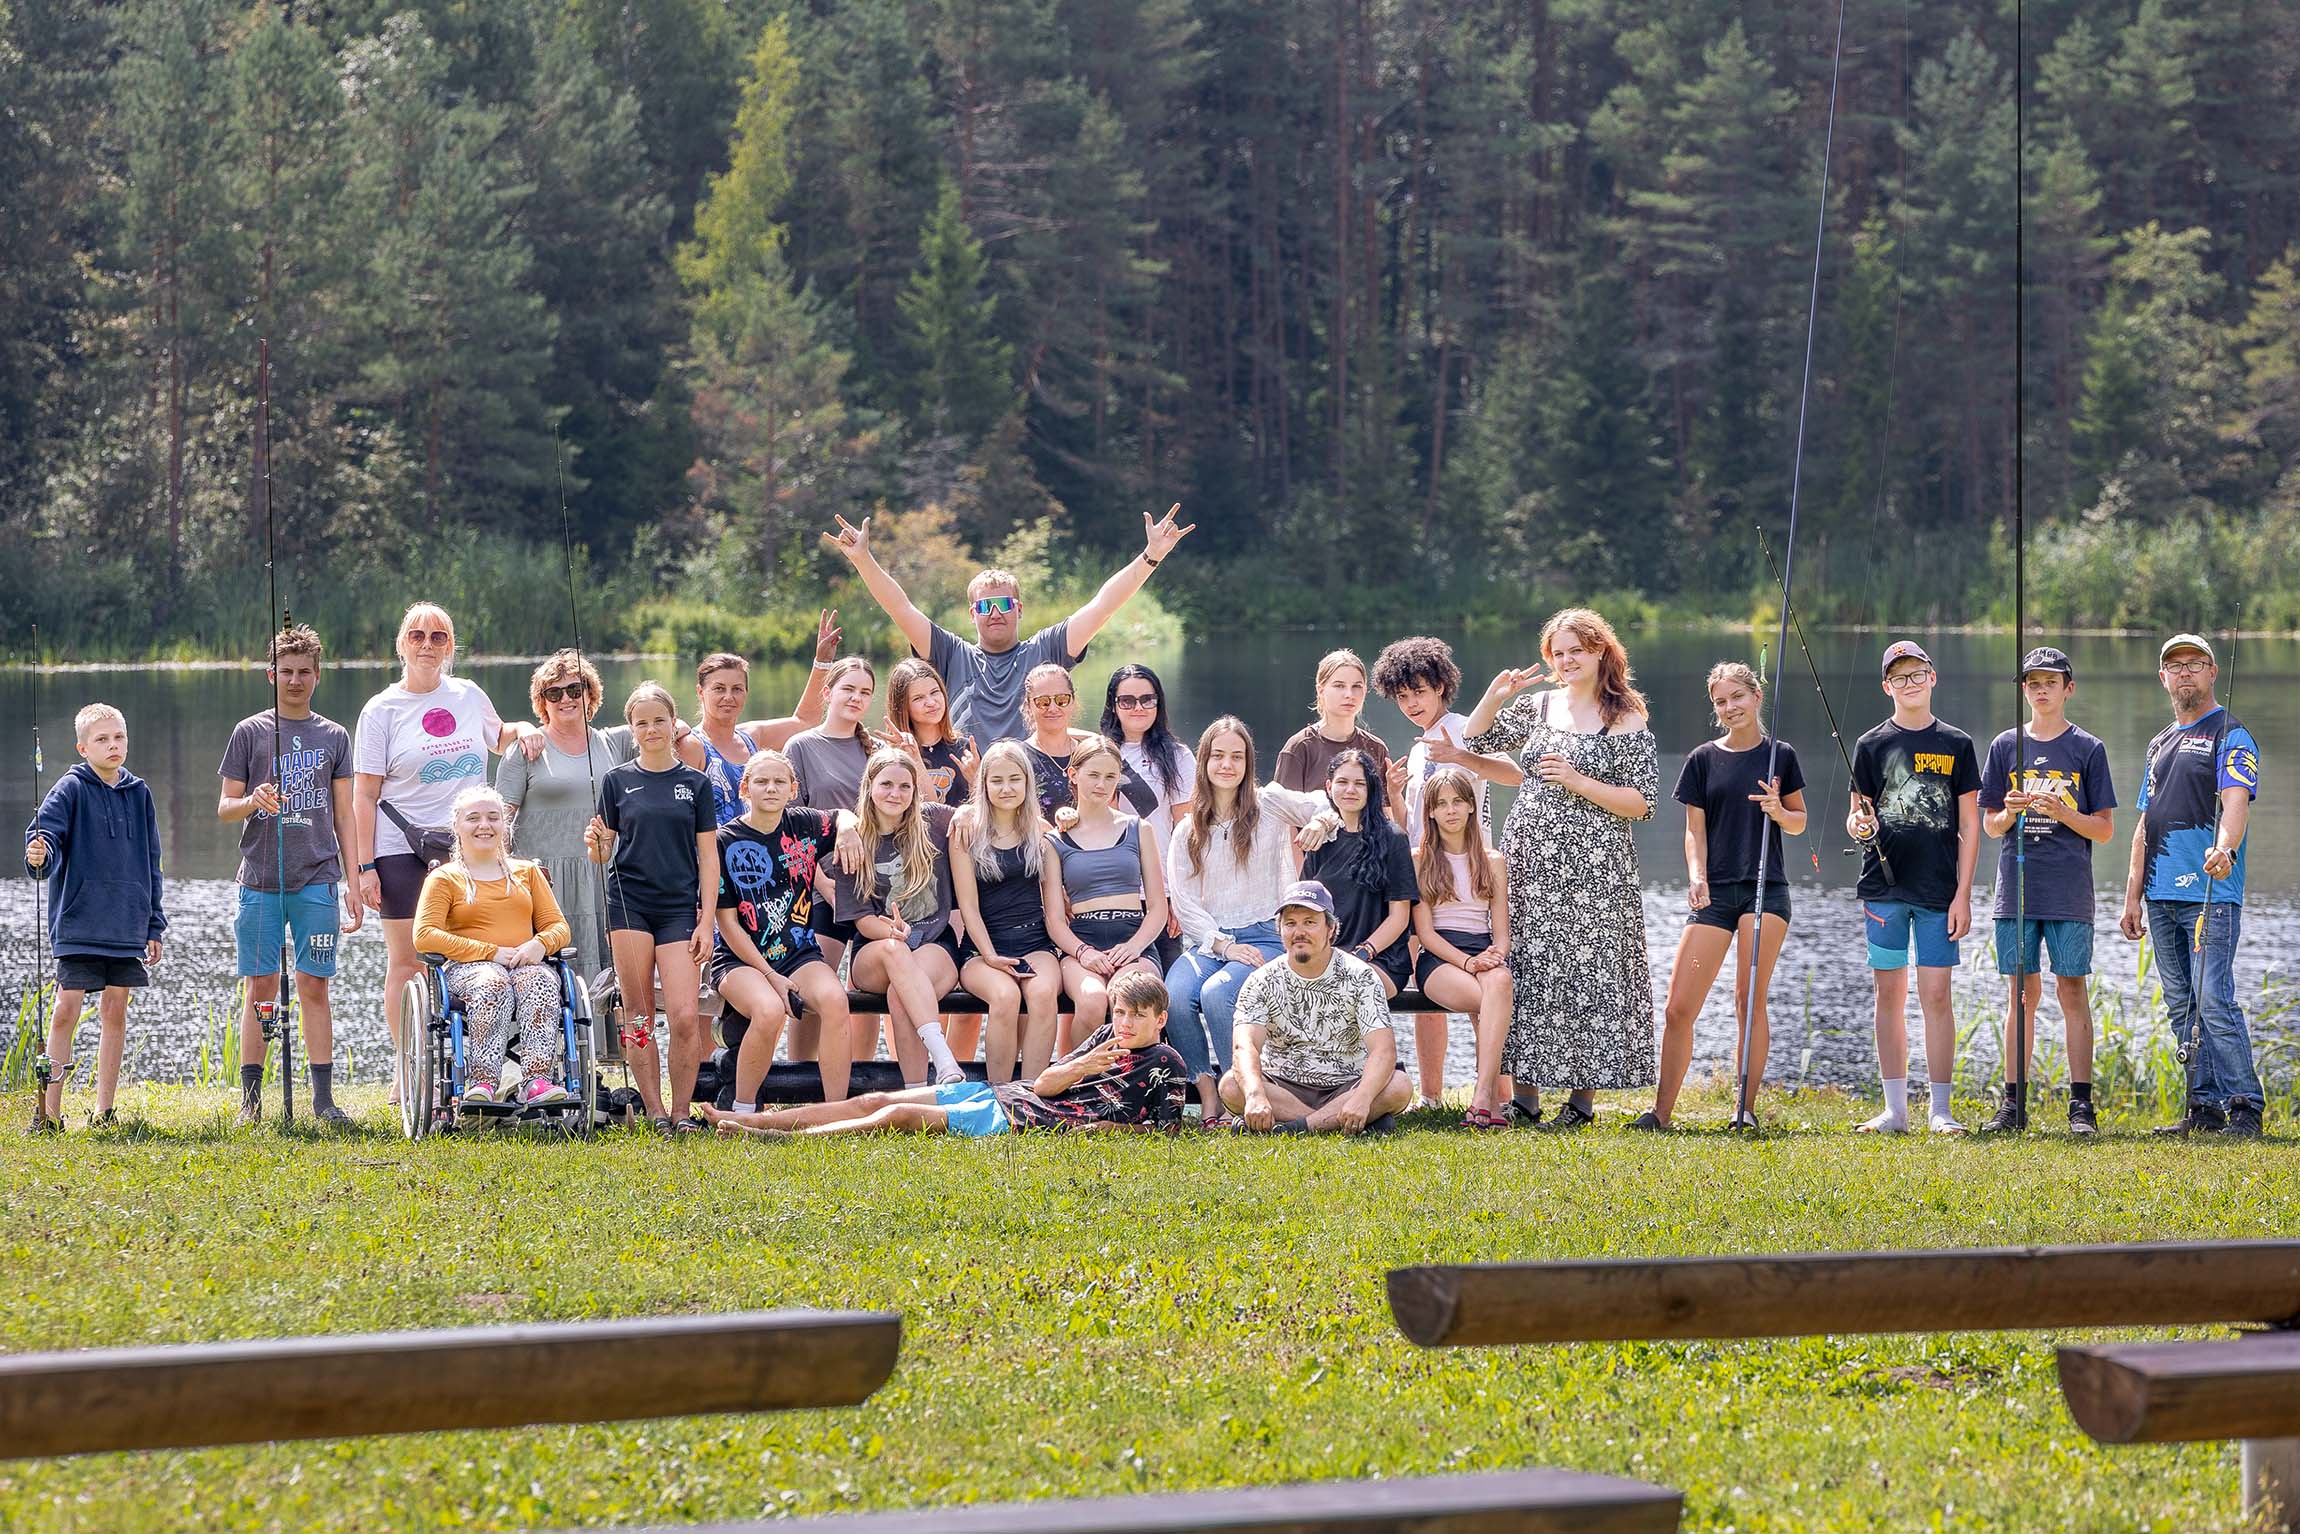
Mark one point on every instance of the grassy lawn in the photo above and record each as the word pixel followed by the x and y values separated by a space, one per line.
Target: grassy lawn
pixel 1100 1314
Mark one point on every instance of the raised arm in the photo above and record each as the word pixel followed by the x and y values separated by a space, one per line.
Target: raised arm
pixel 853 544
pixel 1158 540
pixel 774 733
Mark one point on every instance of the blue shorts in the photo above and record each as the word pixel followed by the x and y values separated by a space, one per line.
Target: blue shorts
pixel 310 914
pixel 1892 922
pixel 971 1108
pixel 2069 943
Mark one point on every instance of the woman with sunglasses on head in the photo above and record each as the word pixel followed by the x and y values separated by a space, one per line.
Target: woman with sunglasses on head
pixel 718 746
pixel 1109 913
pixel 1052 702
pixel 918 714
pixel 1340 699
pixel 549 800
pixel 420 742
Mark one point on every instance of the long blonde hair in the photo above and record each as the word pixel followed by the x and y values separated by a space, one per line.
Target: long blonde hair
pixel 1615 697
pixel 1431 870
pixel 1245 813
pixel 912 843
pixel 978 820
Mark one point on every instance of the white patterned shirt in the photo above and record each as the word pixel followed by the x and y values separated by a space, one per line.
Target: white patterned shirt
pixel 1314 1028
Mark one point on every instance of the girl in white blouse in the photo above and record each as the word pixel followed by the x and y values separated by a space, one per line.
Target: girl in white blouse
pixel 1227 864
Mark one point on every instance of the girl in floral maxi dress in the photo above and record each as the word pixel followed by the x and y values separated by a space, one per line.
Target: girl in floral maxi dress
pixel 1582 1014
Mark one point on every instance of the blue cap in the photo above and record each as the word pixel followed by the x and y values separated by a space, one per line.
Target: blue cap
pixel 1308 892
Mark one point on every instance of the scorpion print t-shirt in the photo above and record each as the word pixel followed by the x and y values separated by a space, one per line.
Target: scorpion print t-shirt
pixel 427 747
pixel 767 879
pixel 1915 778
pixel 1145 1089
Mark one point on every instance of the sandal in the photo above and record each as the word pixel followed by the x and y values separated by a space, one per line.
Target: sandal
pixel 662 1125
pixel 1484 1118
pixel 691 1126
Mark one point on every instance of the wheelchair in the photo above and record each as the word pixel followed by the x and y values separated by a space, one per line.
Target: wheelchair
pixel 428 1062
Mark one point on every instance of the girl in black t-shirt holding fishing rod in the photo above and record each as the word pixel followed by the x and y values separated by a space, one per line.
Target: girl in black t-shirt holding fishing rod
pixel 1729 803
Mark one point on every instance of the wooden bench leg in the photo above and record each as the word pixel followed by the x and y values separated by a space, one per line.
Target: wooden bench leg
pixel 2272 1483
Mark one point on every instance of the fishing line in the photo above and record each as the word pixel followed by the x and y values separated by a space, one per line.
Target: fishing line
pixel 1748 1006
pixel 281 1017
pixel 590 774
pixel 2016 1074
pixel 43 1068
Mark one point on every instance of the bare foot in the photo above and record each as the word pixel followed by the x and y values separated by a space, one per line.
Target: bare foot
pixel 729 1129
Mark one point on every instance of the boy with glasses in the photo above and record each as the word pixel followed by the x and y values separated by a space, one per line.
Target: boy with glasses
pixel 2063 804
pixel 985 677
pixel 1916 781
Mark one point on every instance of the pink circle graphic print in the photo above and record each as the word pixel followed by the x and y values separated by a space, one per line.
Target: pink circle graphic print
pixel 439 722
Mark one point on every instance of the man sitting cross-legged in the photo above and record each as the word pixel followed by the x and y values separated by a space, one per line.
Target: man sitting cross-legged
pixel 1122 1077
pixel 1313 1044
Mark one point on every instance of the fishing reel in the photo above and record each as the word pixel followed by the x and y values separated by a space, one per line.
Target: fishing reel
pixel 43 1072
pixel 267 1020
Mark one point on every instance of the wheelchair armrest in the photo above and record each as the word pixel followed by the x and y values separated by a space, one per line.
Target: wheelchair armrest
pixel 568 954
pixel 435 960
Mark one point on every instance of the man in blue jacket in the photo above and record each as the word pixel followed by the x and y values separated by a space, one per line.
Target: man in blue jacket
pixel 98 838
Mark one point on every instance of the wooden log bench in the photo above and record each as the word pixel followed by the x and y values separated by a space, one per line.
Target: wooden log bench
pixel 1499 1502
pixel 2188 1392
pixel 203 1394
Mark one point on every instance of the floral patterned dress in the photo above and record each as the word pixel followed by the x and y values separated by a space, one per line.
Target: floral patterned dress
pixel 1582 1012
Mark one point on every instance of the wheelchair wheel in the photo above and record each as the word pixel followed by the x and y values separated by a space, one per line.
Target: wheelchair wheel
pixel 411 1064
pixel 587 1077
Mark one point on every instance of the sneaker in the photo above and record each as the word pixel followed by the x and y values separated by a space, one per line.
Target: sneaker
pixel 1569 1117
pixel 2081 1119
pixel 2198 1120
pixel 2010 1119
pixel 479 1094
pixel 1885 1123
pixel 105 1119
pixel 1522 1112
pixel 1650 1122
pixel 1943 1124
pixel 251 1112
pixel 333 1116
pixel 44 1125
pixel 543 1092
pixel 1427 1105
pixel 2243 1122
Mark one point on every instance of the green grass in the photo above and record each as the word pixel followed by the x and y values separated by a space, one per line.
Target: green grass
pixel 1100 1315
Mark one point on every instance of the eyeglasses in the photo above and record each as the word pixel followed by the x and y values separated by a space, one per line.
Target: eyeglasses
pixel 1909 679
pixel 985 606
pixel 1051 700
pixel 2186 667
pixel 430 636
pixel 572 692
pixel 1136 700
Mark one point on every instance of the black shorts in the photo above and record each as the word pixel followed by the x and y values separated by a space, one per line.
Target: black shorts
pixel 675 926
pixel 822 923
pixel 1471 945
pixel 1314 1098
pixel 401 875
pixel 98 971
pixel 1018 944
pixel 1112 929
pixel 1736 898
pixel 724 963
pixel 1395 961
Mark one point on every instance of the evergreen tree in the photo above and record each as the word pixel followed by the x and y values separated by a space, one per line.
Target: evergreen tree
pixel 1602 466
pixel 961 370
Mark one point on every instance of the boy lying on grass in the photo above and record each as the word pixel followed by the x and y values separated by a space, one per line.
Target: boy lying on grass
pixel 1122 1077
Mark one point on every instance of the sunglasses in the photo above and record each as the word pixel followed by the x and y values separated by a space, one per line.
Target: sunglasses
pixel 985 606
pixel 1051 700
pixel 1136 700
pixel 430 636
pixel 572 692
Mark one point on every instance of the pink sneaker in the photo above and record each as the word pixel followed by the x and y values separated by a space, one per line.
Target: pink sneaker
pixel 543 1092
pixel 479 1092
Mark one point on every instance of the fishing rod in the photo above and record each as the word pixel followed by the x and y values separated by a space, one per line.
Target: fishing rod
pixel 2194 1045
pixel 281 1016
pixel 1875 842
pixel 43 1068
pixel 2016 1078
pixel 590 773
pixel 1748 1004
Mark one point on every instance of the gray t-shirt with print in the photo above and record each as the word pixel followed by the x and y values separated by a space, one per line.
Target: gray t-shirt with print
pixel 314 754
pixel 986 690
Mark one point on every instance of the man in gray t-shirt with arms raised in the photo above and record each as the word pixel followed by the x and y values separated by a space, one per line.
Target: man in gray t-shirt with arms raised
pixel 1313 1046
pixel 984 677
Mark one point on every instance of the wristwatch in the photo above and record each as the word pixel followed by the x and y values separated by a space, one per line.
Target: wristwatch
pixel 367 868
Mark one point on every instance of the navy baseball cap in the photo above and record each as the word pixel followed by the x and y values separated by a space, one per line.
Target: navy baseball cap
pixel 1903 649
pixel 1308 892
pixel 2045 658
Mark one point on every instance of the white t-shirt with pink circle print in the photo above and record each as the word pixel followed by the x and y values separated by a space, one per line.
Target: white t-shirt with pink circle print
pixel 427 747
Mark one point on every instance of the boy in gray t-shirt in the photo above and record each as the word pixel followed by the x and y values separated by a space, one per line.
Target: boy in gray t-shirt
pixel 287 784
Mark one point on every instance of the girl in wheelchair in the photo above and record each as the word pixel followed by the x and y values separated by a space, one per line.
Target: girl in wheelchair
pixel 493 918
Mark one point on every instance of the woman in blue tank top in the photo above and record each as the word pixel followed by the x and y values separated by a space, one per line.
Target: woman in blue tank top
pixel 719 747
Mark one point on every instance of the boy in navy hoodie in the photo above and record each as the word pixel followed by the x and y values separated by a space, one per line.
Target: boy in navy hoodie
pixel 98 839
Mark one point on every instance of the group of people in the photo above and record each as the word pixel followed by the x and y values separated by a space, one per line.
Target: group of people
pixel 1154 929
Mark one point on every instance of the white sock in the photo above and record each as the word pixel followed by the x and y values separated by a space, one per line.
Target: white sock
pixel 1940 1099
pixel 1897 1097
pixel 750 1107
pixel 938 1050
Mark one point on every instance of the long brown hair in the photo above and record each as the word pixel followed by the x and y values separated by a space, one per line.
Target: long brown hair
pixel 1245 812
pixel 1616 699
pixel 1431 870
pixel 899 682
pixel 913 845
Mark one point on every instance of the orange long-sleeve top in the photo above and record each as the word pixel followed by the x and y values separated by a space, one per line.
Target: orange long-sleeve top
pixel 467 919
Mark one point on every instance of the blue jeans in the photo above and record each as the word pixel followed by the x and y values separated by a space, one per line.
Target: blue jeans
pixel 1202 998
pixel 2220 1070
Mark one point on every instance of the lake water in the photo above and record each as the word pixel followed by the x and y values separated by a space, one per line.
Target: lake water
pixel 179 719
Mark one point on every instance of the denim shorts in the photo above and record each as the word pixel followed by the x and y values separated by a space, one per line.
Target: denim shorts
pixel 1893 922
pixel 971 1109
pixel 310 914
pixel 2069 943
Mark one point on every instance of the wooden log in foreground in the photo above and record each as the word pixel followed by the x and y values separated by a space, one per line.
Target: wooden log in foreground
pixel 1500 1502
pixel 456 1377
pixel 2183 1392
pixel 1821 1293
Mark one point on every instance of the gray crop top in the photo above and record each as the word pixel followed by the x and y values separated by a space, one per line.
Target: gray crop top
pixel 1096 874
